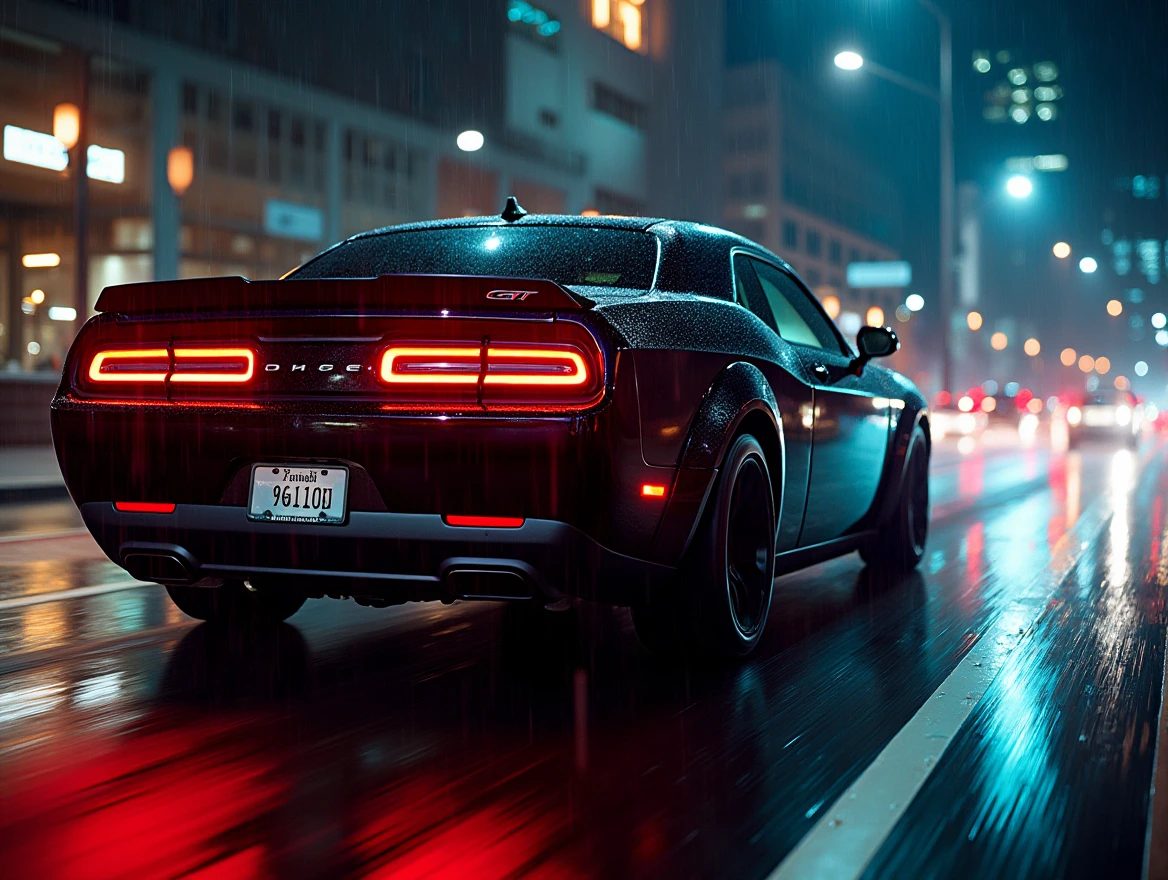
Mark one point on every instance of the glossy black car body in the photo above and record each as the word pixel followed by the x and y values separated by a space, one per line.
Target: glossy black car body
pixel 682 367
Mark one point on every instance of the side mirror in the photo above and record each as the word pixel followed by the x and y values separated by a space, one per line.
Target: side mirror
pixel 874 342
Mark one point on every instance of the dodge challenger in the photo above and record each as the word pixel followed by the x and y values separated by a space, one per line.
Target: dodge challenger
pixel 646 413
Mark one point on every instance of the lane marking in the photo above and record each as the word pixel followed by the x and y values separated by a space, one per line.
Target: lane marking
pixel 43 536
pixel 76 593
pixel 852 829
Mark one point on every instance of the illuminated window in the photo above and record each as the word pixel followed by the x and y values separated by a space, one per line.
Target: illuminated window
pixel 623 20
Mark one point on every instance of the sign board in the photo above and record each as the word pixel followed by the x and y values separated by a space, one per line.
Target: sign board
pixel 45 151
pixel 289 220
pixel 894 273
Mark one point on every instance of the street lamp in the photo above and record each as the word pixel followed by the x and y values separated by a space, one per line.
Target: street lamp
pixel 180 169
pixel 470 140
pixel 1019 186
pixel 849 60
pixel 1088 265
pixel 1062 250
pixel 943 95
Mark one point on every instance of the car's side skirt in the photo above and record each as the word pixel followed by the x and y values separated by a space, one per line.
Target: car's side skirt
pixel 802 557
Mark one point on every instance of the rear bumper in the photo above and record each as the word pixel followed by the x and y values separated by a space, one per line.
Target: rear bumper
pixel 390 557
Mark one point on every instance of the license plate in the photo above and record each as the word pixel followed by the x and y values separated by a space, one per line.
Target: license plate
pixel 295 493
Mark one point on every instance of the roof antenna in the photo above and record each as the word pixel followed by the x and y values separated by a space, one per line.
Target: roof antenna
pixel 513 210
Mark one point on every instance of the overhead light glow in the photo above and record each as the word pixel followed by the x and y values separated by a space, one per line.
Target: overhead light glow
pixel 974 320
pixel 914 302
pixel 103 163
pixel 62 313
pixel 1162 338
pixel 40 261
pixel 1068 356
pixel 1032 347
pixel 1114 308
pixel 37 296
pixel 1062 250
pixel 1019 186
pixel 831 305
pixel 67 125
pixel 999 341
pixel 849 61
pixel 1141 368
pixel 1102 365
pixel 470 140
pixel 1159 320
pixel 1086 363
pixel 875 317
pixel 34 148
pixel 1088 265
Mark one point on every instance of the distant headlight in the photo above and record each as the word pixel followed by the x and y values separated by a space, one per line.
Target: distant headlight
pixel 966 423
pixel 1123 415
pixel 1074 415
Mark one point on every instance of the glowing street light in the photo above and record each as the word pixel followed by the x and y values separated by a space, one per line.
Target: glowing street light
pixel 1141 368
pixel 469 141
pixel 1019 186
pixel 974 320
pixel 1086 363
pixel 67 124
pixel 1114 308
pixel 180 169
pixel 849 60
pixel 1159 320
pixel 875 317
pixel 1088 265
pixel 1062 250
pixel 914 302
pixel 1102 365
pixel 1032 346
pixel 999 341
pixel 1068 357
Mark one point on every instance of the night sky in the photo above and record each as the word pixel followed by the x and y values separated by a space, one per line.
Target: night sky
pixel 1113 118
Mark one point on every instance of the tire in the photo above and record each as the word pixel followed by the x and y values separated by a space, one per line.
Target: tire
pixel 900 544
pixel 720 601
pixel 235 604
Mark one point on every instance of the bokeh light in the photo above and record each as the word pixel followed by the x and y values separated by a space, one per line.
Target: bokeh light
pixel 1088 265
pixel 974 320
pixel 831 305
pixel 875 317
pixel 1141 368
pixel 1068 356
pixel 1086 363
pixel 1102 365
pixel 1032 346
pixel 1062 250
pixel 1114 308
pixel 999 341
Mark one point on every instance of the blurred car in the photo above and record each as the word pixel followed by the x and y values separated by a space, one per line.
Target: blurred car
pixel 949 421
pixel 1113 416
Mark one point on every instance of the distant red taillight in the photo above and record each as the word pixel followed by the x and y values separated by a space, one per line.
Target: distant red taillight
pixel 143 507
pixel 485 522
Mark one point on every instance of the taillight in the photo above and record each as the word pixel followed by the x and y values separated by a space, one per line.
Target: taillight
pixel 130 365
pixel 143 507
pixel 222 365
pixel 497 375
pixel 135 366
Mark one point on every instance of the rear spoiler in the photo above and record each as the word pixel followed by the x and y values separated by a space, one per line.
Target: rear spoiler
pixel 389 292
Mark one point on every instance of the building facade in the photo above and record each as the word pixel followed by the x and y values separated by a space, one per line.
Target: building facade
pixel 306 126
pixel 792 184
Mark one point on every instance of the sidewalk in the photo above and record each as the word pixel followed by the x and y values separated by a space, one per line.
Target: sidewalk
pixel 28 473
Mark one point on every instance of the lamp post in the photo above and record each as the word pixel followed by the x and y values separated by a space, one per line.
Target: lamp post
pixel 943 95
pixel 71 128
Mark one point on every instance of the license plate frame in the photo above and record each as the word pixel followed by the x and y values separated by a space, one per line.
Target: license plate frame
pixel 335 477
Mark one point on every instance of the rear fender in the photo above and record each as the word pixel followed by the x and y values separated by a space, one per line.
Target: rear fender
pixel 739 397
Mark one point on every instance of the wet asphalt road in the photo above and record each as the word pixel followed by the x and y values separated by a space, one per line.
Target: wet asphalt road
pixel 456 742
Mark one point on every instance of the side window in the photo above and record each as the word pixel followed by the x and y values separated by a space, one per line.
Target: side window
pixel 797 318
pixel 748 293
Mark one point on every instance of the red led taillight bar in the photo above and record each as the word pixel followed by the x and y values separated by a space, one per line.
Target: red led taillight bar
pixel 562 366
pixel 131 366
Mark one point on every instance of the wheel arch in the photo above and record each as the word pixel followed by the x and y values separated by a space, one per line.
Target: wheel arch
pixel 738 401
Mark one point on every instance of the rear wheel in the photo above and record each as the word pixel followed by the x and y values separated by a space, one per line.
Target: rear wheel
pixel 900 544
pixel 233 603
pixel 722 596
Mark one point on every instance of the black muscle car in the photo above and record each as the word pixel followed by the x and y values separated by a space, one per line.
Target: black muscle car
pixel 638 412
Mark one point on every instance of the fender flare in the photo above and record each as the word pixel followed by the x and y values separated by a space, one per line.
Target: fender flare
pixel 898 460
pixel 738 392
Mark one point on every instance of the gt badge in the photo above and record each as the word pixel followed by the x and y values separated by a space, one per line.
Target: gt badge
pixel 511 295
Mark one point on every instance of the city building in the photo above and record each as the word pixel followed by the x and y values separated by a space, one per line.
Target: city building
pixel 302 124
pixel 793 184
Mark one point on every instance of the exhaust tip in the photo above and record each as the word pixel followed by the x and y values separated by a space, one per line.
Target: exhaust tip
pixel 162 568
pixel 481 583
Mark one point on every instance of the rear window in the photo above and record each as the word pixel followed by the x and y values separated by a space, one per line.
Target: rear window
pixel 564 254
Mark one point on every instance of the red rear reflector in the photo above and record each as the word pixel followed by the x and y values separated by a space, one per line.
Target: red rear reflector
pixel 650 491
pixel 222 365
pixel 143 507
pixel 485 522
pixel 130 365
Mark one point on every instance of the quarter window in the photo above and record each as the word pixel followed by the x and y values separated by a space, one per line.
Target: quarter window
pixel 795 315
